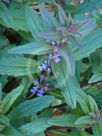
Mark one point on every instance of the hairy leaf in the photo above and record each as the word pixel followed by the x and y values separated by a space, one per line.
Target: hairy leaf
pixel 11 98
pixel 30 107
pixel 63 120
pixel 36 48
pixel 35 127
pixel 17 66
pixel 62 78
pixel 11 131
pixel 34 22
pixel 91 42
pixel 48 18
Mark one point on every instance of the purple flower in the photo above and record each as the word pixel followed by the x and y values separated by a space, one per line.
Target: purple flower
pixel 33 90
pixel 35 82
pixel 71 28
pixel 40 68
pixel 43 66
pixel 53 43
pixel 46 62
pixel 56 49
pixel 56 57
pixel 41 78
pixel 40 92
pixel 51 55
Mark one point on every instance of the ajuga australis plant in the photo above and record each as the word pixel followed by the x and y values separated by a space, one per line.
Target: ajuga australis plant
pixel 50 68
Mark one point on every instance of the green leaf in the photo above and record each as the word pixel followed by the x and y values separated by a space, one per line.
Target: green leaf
pixel 97 129
pixel 63 120
pixel 11 131
pixel 85 24
pixel 2 135
pixel 85 7
pixel 19 18
pixel 79 133
pixel 76 42
pixel 92 104
pixel 4 120
pixel 34 22
pixel 9 100
pixel 47 1
pixel 95 77
pixel 34 48
pixel 60 132
pixel 46 113
pixel 0 91
pixel 26 35
pixel 48 18
pixel 17 66
pixel 49 35
pixel 82 99
pixel 84 120
pixel 35 127
pixel 91 42
pixel 40 134
pixel 59 71
pixel 31 106
pixel 5 15
pixel 99 19
pixel 3 42
pixel 67 55
pixel 63 19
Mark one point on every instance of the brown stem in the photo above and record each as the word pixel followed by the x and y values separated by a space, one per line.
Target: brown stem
pixel 48 130
pixel 59 106
pixel 87 84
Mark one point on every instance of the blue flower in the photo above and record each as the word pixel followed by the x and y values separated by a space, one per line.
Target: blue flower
pixel 36 82
pixel 34 90
pixel 54 43
pixel 56 57
pixel 41 78
pixel 40 92
pixel 43 66
pixel 46 62
pixel 51 55
pixel 71 28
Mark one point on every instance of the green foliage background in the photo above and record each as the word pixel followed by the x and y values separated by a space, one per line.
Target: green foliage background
pixel 75 82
